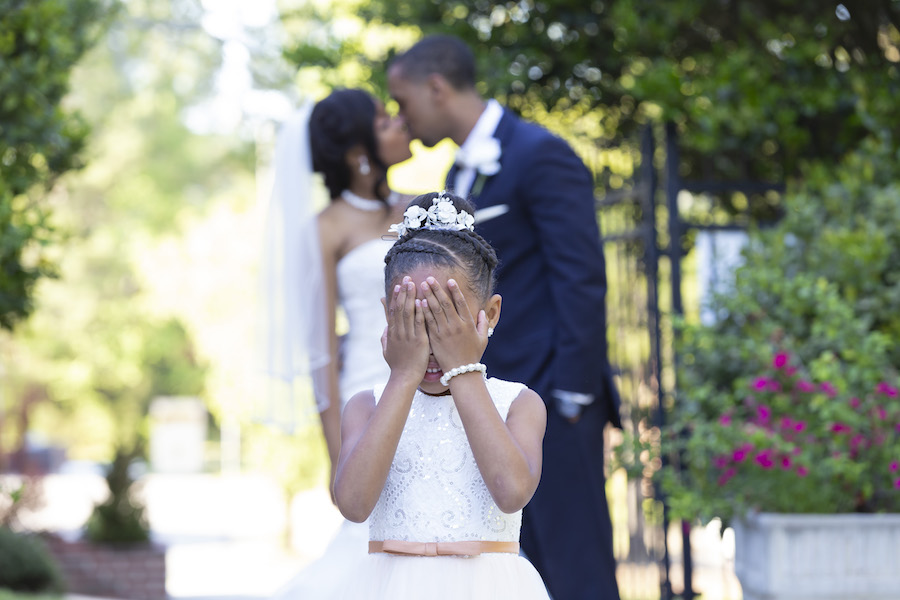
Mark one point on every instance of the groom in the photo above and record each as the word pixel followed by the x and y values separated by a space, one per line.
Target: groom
pixel 535 205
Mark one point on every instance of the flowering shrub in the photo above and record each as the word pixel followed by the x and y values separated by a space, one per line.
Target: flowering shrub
pixel 790 444
pixel 786 402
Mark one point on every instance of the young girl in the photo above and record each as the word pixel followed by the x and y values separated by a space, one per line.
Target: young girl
pixel 440 459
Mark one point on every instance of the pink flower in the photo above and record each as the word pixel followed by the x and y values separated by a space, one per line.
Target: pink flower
pixel 796 451
pixel 780 360
pixel 799 426
pixel 787 423
pixel 854 402
pixel 725 420
pixel 741 453
pixel 897 484
pixel 760 383
pixel 763 412
pixel 786 463
pixel 894 466
pixel 720 462
pixel 805 386
pixel 840 428
pixel 802 471
pixel 886 389
pixel 764 459
pixel 789 371
pixel 881 413
pixel 829 389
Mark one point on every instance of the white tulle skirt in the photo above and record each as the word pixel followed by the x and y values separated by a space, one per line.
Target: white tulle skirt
pixel 323 578
pixel 494 576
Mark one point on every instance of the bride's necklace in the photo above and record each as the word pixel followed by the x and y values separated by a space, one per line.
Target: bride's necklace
pixel 368 204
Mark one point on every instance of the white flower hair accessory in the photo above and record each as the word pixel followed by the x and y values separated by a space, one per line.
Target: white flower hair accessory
pixel 442 214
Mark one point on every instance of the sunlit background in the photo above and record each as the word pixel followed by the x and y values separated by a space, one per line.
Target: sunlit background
pixel 156 300
pixel 139 345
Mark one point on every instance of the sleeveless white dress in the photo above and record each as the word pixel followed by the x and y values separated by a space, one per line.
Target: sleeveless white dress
pixel 435 493
pixel 360 282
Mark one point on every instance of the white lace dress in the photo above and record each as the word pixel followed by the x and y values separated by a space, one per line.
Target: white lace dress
pixel 360 280
pixel 435 493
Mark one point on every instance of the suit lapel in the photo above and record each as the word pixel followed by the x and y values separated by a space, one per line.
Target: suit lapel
pixel 503 134
pixel 450 181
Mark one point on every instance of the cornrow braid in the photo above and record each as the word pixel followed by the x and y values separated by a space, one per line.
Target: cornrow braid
pixel 460 249
pixel 481 246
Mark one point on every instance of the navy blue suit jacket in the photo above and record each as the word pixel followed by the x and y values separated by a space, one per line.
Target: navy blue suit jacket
pixel 552 329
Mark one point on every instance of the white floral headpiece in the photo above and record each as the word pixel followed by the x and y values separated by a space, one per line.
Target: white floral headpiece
pixel 441 215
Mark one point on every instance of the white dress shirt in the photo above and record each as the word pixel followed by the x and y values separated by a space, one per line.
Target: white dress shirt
pixel 484 128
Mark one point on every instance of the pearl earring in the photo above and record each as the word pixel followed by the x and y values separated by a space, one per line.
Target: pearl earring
pixel 490 331
pixel 364 165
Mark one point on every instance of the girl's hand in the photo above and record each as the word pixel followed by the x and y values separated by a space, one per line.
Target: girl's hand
pixel 456 338
pixel 405 340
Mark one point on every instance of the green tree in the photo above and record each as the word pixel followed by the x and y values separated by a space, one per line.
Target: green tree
pixel 98 343
pixel 754 88
pixel 40 139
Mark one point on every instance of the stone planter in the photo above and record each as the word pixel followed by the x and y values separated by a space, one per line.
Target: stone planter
pixel 136 572
pixel 821 557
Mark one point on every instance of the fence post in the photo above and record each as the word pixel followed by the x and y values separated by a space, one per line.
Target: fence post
pixel 673 187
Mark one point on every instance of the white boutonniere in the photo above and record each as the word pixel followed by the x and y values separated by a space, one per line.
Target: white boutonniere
pixel 484 157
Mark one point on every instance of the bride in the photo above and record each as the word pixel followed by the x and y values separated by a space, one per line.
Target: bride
pixel 316 262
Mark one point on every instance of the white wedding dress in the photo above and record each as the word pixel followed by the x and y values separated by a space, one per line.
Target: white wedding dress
pixel 360 281
pixel 435 493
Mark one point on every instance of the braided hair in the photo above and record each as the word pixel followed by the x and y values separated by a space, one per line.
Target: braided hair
pixel 464 250
pixel 338 123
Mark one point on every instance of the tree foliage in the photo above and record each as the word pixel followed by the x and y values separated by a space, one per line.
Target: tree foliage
pixel 40 42
pixel 100 345
pixel 755 88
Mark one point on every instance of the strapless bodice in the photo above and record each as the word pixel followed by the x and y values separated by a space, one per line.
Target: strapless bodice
pixel 360 282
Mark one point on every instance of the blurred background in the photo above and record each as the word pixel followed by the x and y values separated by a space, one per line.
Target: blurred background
pixel 135 147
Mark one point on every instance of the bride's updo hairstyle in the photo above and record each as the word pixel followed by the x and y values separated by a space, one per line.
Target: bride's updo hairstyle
pixel 337 123
pixel 450 248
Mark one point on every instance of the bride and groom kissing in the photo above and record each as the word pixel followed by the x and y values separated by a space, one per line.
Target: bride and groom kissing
pixel 534 204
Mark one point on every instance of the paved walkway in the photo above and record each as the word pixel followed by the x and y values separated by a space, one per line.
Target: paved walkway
pixel 225 535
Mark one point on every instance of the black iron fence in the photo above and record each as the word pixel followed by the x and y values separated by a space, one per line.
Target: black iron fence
pixel 647 237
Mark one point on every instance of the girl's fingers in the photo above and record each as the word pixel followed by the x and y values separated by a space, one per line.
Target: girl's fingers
pixel 481 324
pixel 421 328
pixel 432 302
pixel 444 307
pixel 409 307
pixel 428 315
pixel 459 300
pixel 392 305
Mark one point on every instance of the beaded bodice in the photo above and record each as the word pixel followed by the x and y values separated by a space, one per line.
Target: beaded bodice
pixel 434 491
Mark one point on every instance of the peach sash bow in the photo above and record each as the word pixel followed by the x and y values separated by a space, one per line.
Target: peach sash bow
pixel 464 548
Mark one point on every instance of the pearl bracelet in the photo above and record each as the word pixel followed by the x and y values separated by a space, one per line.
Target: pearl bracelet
pixel 446 377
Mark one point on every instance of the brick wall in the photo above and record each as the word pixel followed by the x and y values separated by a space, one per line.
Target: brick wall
pixel 129 572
